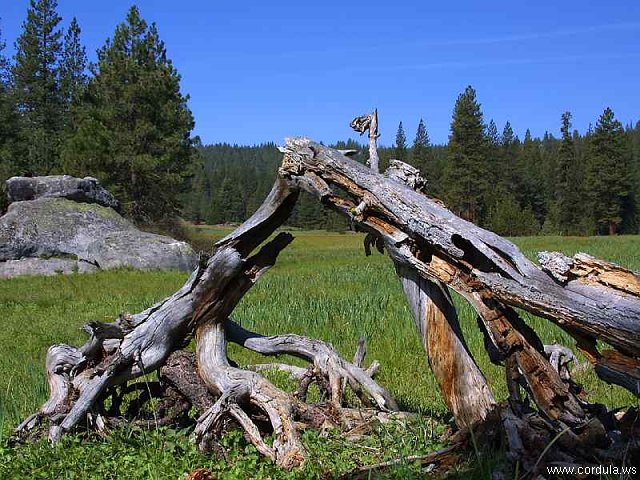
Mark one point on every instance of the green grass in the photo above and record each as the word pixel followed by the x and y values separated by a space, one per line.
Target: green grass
pixel 323 286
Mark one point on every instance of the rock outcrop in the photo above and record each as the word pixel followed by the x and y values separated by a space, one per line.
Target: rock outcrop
pixel 87 190
pixel 61 225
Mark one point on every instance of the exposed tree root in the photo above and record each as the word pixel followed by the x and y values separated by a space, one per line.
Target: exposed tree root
pixel 329 370
pixel 90 385
pixel 546 420
pixel 241 391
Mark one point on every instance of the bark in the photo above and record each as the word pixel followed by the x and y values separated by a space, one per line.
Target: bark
pixel 428 243
pixel 461 382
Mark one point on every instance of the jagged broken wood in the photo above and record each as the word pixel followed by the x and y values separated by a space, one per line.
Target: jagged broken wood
pixel 88 383
pixel 430 243
pixel 432 250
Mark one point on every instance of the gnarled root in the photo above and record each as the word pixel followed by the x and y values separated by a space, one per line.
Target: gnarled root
pixel 243 393
pixel 115 353
pixel 330 371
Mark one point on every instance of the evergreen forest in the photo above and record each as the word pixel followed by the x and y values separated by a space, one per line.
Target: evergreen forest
pixel 124 120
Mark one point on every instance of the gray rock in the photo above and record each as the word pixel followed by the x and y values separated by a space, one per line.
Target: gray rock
pixel 43 266
pixel 86 190
pixel 60 228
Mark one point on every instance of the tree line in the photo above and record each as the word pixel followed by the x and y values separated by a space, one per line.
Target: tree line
pixel 122 119
pixel 573 184
pixel 577 184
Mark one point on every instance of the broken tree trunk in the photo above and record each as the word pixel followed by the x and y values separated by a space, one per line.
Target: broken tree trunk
pixel 458 253
pixel 461 382
pixel 429 242
pixel 88 384
pixel 432 249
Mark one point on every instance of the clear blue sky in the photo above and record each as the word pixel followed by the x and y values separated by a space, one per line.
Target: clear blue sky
pixel 260 71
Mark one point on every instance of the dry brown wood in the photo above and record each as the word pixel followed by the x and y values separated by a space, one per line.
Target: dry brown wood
pixel 574 273
pixel 461 382
pixel 590 271
pixel 489 262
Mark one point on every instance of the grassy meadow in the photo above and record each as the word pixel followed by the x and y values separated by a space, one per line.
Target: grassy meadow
pixel 323 286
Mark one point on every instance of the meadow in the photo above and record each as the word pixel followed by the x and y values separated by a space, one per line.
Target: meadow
pixel 322 286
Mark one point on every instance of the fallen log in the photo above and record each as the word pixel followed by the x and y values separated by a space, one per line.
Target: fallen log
pixel 432 250
pixel 429 243
pixel 451 246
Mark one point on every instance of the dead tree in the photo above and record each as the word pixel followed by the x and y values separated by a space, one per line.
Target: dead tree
pixel 592 300
pixel 87 382
pixel 432 250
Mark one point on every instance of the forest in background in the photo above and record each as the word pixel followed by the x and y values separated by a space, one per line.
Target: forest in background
pixel 124 120
pixel 573 184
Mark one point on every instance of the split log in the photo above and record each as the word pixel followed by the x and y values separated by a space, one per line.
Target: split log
pixel 585 274
pixel 461 382
pixel 587 270
pixel 430 243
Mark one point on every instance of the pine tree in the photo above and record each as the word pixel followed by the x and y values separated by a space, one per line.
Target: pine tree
pixel 532 177
pixel 8 124
pixel 36 87
pixel 422 158
pixel 567 194
pixel 133 127
pixel 494 160
pixel 73 74
pixel 492 134
pixel 633 213
pixel 510 171
pixel 401 144
pixel 420 148
pixel 466 172
pixel 5 67
pixel 608 173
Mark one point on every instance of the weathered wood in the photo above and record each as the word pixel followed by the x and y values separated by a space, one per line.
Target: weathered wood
pixel 431 243
pixel 614 367
pixel 588 270
pixel 81 379
pixel 461 382
pixel 409 250
pixel 362 124
pixel 326 362
pixel 432 249
pixel 141 343
pixel 488 260
pixel 406 174
pixel 581 270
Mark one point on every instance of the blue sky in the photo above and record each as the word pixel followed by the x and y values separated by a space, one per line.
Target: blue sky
pixel 260 71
